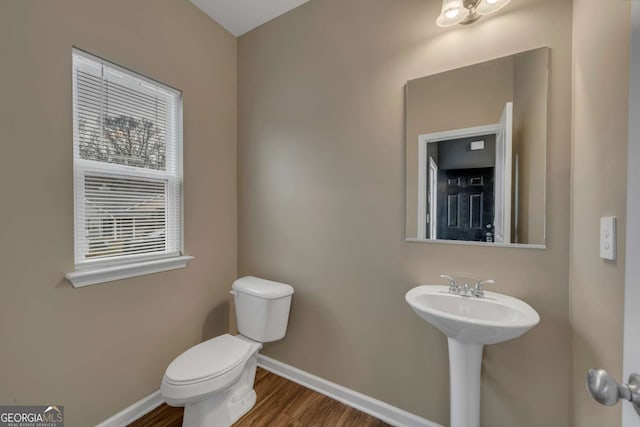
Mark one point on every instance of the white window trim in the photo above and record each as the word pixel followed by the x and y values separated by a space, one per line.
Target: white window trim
pixel 96 275
pixel 105 271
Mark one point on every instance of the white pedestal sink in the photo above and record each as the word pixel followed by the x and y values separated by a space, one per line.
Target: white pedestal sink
pixel 470 323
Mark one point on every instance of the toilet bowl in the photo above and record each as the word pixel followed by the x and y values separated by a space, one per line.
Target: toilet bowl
pixel 214 379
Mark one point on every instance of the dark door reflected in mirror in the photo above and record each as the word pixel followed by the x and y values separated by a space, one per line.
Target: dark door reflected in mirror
pixel 465 200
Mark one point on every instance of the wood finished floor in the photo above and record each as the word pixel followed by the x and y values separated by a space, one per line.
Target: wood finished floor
pixel 281 403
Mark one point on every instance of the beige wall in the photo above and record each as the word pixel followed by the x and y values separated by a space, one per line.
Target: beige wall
pixel 530 94
pixel 456 99
pixel 321 203
pixel 600 108
pixel 98 349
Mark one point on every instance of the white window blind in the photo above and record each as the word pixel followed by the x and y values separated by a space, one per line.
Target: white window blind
pixel 127 164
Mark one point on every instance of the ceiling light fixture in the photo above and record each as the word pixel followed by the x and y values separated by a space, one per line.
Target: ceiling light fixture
pixel 467 11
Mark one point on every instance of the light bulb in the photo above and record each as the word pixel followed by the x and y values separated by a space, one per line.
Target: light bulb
pixel 486 7
pixel 452 13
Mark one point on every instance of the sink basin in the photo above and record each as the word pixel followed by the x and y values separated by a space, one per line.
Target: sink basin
pixel 489 320
pixel 470 323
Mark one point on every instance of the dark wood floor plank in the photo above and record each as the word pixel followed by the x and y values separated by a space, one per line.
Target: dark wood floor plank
pixel 281 403
pixel 260 374
pixel 323 412
pixel 163 416
pixel 354 418
pixel 302 398
pixel 271 390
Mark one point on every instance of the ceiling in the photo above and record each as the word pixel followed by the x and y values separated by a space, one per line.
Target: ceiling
pixel 241 16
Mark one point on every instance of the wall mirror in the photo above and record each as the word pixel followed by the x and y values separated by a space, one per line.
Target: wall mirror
pixel 476 142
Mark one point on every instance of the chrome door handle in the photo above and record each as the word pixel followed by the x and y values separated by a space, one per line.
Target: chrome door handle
pixel 604 388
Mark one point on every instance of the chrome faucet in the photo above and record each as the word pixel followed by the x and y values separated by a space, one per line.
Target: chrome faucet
pixel 477 288
pixel 464 289
pixel 453 285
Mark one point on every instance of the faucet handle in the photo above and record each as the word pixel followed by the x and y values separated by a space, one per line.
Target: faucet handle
pixel 453 285
pixel 477 289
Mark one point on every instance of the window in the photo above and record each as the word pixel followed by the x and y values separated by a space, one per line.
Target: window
pixel 127 134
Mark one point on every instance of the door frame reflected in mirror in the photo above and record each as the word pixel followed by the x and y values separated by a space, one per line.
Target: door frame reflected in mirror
pixel 426 210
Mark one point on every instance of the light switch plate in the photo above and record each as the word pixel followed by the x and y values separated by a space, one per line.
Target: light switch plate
pixel 608 237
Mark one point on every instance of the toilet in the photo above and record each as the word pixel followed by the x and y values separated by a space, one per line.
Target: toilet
pixel 214 380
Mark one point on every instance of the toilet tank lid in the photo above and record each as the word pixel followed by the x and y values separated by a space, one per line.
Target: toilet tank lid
pixel 262 288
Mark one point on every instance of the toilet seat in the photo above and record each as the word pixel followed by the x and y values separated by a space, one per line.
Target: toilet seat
pixel 208 360
pixel 205 368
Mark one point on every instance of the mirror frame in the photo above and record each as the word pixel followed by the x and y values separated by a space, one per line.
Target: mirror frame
pixel 405 160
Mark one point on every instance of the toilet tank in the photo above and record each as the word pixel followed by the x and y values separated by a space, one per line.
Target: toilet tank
pixel 262 308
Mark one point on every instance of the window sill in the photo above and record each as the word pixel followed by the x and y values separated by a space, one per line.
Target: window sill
pixel 93 276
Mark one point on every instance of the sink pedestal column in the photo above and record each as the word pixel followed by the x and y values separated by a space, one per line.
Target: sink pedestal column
pixel 465 361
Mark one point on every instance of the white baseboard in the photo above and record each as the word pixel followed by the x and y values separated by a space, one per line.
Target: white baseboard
pixel 135 411
pixel 376 408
